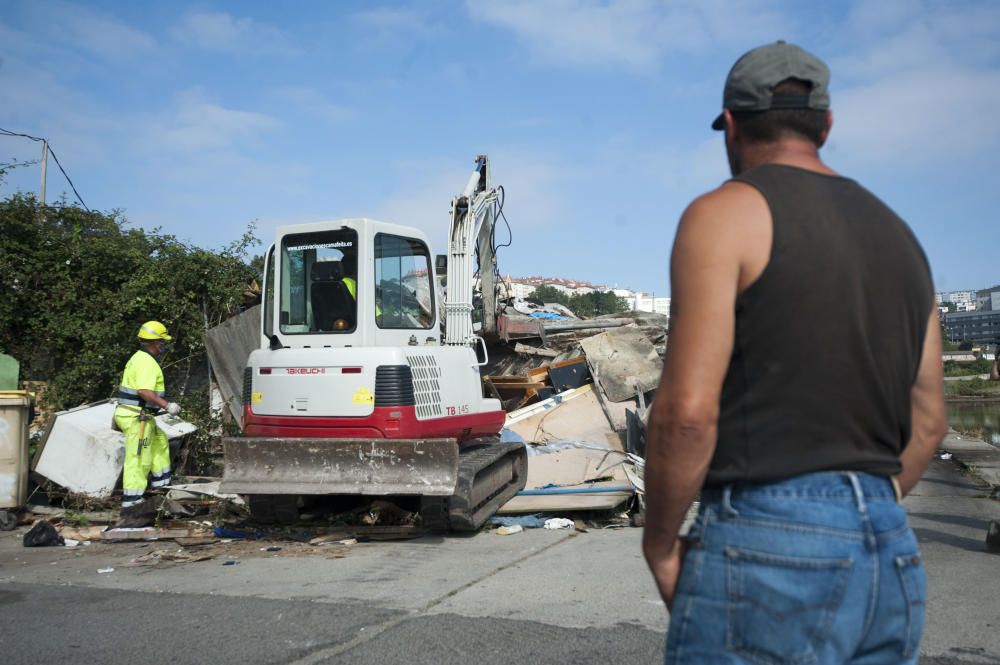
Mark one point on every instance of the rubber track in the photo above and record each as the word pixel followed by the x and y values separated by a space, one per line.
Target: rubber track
pixel 510 473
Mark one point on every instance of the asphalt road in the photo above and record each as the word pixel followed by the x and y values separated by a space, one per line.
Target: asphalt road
pixel 535 597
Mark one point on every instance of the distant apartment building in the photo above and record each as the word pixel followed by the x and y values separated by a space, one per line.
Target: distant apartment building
pixel 980 327
pixel 961 301
pixel 522 287
pixel 636 301
pixel 649 303
pixel 988 299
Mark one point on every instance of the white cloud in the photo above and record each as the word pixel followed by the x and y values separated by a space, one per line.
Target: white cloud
pixel 222 32
pixel 387 22
pixel 315 103
pixel 536 193
pixel 918 118
pixel 197 124
pixel 632 34
pixel 918 84
pixel 97 33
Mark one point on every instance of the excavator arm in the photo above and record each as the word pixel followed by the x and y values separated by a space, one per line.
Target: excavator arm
pixel 470 235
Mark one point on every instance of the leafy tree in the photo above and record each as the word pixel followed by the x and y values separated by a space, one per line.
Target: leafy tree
pixel 547 293
pixel 585 305
pixel 79 284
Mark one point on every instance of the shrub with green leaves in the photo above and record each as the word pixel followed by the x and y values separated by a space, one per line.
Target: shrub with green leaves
pixel 77 285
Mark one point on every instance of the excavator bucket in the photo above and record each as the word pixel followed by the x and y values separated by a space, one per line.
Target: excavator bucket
pixel 426 467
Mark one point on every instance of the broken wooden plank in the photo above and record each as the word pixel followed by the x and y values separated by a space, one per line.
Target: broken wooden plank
pixel 524 349
pixel 149 533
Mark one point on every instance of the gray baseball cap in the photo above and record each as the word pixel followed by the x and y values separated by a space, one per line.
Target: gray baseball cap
pixel 751 81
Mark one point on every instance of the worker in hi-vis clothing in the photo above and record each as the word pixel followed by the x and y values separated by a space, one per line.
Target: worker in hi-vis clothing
pixel 140 396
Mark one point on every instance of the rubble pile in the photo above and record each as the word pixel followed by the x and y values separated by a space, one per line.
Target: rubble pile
pixel 578 397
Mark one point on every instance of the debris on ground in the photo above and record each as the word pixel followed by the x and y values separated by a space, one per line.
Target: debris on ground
pixel 526 521
pixel 576 392
pixel 80 451
pixel 43 534
pixel 510 530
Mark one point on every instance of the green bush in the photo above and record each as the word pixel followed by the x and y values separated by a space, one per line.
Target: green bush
pixel 77 285
pixel 964 368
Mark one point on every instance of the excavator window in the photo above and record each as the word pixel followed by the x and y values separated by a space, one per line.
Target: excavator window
pixel 318 293
pixel 404 297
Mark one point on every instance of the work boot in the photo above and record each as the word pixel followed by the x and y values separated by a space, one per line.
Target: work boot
pixel 137 516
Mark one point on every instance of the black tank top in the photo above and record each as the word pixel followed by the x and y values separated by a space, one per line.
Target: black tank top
pixel 828 339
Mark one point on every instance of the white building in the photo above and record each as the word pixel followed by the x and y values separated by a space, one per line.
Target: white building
pixel 649 303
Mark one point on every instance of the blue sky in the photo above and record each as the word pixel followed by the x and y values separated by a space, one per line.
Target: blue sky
pixel 202 117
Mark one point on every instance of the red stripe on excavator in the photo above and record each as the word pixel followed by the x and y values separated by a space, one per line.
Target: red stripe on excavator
pixel 386 422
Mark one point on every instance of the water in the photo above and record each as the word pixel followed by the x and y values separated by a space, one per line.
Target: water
pixel 984 415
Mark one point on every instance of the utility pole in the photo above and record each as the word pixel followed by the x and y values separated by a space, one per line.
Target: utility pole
pixel 45 163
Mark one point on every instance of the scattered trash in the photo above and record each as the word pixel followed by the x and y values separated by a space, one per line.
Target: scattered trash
pixel 236 534
pixel 272 548
pixel 348 541
pixel 147 533
pixel 178 556
pixel 42 534
pixel 81 532
pixel 230 563
pixel 526 521
pixel 386 513
pixel 559 523
pixel 510 530
pixel 101 571
pixel 946 455
pixel 69 542
pixel 200 491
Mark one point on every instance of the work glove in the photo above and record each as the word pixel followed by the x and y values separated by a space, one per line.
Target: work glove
pixel 173 408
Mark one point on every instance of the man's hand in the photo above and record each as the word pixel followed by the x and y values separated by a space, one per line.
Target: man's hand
pixel 667 571
pixel 173 408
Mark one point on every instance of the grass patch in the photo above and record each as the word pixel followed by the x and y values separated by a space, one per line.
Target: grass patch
pixel 972 388
pixel 960 368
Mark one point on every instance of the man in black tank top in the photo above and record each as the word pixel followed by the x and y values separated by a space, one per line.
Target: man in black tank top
pixel 801 395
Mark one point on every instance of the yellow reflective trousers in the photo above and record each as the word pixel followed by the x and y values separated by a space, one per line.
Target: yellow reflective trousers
pixel 147 451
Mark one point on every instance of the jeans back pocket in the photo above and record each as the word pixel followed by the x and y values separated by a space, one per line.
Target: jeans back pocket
pixel 780 607
pixel 914 582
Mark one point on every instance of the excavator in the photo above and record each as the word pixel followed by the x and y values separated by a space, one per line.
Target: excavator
pixel 367 378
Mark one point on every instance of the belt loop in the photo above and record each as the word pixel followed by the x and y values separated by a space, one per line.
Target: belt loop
pixel 859 495
pixel 727 502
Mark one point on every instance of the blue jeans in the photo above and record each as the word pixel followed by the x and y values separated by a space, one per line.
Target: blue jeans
pixel 821 568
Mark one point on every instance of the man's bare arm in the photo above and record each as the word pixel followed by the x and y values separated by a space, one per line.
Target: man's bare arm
pixel 705 275
pixel 928 420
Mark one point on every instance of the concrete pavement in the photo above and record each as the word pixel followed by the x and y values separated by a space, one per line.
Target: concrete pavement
pixel 535 597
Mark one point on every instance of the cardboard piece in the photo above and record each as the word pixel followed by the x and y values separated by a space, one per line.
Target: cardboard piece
pixel 623 361
pixel 580 419
pixel 573 468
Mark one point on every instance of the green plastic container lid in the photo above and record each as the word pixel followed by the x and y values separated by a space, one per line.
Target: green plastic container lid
pixel 10 369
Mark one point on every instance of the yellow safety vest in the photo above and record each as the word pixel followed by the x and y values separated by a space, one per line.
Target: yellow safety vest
pixel 142 372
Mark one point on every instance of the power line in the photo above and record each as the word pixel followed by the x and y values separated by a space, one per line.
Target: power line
pixel 7 132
